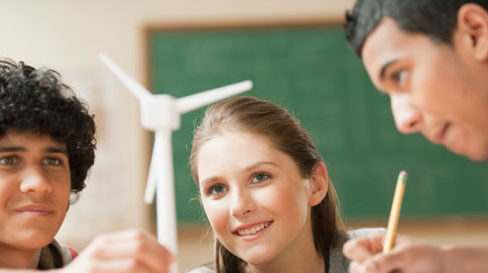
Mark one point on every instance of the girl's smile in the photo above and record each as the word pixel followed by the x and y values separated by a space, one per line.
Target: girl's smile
pixel 252 231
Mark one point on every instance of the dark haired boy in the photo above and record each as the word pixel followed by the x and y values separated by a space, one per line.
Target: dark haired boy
pixel 46 149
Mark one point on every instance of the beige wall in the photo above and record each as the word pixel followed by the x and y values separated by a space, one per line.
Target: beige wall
pixel 67 35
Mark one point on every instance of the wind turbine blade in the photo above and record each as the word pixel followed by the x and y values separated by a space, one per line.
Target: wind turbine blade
pixel 198 100
pixel 136 88
pixel 151 180
pixel 150 186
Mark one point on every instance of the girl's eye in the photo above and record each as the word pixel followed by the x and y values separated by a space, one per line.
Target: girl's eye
pixel 52 161
pixel 216 189
pixel 8 160
pixel 260 177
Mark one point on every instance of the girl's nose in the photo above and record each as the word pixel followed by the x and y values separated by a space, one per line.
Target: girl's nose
pixel 242 204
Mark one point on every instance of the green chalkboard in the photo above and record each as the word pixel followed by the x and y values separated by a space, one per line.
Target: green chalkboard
pixel 311 71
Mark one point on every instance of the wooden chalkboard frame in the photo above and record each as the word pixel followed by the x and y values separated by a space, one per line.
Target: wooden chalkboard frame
pixel 150 29
pixel 241 25
pixel 206 25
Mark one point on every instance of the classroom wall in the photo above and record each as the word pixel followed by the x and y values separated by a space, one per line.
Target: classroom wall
pixel 67 36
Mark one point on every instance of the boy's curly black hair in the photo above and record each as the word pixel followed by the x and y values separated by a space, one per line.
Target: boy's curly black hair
pixel 36 100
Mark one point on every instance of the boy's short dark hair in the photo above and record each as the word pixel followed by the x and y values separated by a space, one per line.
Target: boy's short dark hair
pixel 435 18
pixel 36 100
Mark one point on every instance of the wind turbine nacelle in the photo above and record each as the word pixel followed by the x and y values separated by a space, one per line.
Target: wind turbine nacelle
pixel 159 112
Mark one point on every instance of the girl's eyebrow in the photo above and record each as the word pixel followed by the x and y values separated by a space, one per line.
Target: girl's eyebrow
pixel 257 164
pixel 208 180
pixel 248 168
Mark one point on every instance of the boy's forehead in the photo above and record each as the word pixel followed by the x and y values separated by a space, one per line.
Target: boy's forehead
pixel 388 43
pixel 386 36
pixel 379 48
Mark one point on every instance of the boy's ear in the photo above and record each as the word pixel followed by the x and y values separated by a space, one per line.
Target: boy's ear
pixel 319 184
pixel 472 28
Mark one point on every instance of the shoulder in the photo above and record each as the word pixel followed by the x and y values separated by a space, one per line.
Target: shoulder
pixel 56 255
pixel 339 263
pixel 202 269
pixel 356 233
pixel 67 253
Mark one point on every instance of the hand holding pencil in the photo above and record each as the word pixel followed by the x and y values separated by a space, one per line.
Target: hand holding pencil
pixel 408 255
pixel 388 253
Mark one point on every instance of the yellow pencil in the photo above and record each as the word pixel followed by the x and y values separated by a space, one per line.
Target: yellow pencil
pixel 395 212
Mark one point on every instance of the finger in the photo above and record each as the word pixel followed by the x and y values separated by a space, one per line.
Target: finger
pixel 87 264
pixel 110 238
pixel 122 266
pixel 386 263
pixel 363 248
pixel 147 250
pixel 129 242
pixel 356 251
pixel 354 267
pixel 139 247
pixel 153 254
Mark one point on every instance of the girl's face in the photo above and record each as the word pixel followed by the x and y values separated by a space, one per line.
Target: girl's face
pixel 255 198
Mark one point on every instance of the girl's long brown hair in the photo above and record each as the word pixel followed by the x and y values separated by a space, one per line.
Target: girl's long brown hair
pixel 252 115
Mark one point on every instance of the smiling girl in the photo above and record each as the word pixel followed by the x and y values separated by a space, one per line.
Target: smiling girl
pixel 266 192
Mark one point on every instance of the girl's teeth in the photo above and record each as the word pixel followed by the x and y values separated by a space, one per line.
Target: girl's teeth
pixel 253 230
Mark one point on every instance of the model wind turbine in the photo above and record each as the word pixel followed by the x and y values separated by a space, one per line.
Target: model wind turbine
pixel 161 114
